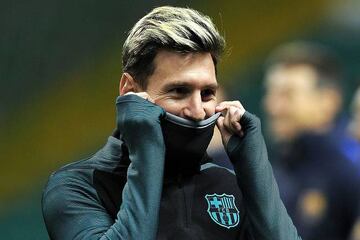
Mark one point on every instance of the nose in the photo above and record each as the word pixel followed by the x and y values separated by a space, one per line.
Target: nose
pixel 194 109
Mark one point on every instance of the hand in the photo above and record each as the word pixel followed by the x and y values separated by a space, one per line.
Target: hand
pixel 229 123
pixel 136 112
pixel 144 95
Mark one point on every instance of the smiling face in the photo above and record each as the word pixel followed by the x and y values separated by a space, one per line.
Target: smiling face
pixel 184 84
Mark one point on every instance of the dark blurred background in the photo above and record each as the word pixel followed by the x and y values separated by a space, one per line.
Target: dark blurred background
pixel 60 63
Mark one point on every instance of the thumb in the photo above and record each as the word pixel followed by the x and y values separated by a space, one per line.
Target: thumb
pixel 220 123
pixel 225 134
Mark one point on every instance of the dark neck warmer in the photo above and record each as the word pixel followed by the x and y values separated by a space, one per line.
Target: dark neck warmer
pixel 186 142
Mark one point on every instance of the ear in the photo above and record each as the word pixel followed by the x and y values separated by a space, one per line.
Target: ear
pixel 333 100
pixel 127 84
pixel 330 102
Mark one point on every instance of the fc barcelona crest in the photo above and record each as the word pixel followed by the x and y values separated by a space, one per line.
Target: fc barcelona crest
pixel 222 209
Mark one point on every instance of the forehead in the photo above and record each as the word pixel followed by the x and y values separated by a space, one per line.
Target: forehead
pixel 299 77
pixel 192 68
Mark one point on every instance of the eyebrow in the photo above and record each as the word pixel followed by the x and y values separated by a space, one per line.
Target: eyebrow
pixel 213 86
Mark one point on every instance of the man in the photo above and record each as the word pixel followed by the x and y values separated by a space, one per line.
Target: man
pixel 350 144
pixel 153 179
pixel 355 234
pixel 317 184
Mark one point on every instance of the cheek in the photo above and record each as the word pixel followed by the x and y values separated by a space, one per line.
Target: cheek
pixel 170 106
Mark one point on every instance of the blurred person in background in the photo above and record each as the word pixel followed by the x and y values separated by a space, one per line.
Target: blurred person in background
pixel 350 144
pixel 303 98
pixel 355 234
pixel 351 148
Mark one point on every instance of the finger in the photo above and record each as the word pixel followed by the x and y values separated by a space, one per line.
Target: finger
pixel 223 125
pixel 234 118
pixel 129 93
pixel 238 127
pixel 144 95
pixel 227 120
pixel 230 103
pixel 147 97
pixel 225 135
pixel 231 121
pixel 219 108
pixel 226 104
pixel 220 123
pixel 232 112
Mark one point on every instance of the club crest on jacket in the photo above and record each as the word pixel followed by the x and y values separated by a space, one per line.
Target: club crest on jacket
pixel 222 209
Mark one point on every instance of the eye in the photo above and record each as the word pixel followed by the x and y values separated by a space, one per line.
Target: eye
pixel 179 90
pixel 208 94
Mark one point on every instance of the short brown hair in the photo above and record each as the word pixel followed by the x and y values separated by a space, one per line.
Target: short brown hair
pixel 319 57
pixel 177 29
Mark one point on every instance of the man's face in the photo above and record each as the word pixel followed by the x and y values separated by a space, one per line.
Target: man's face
pixel 291 100
pixel 184 84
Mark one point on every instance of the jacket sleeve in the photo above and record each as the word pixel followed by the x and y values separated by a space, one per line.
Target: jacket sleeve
pixel 71 209
pixel 266 212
